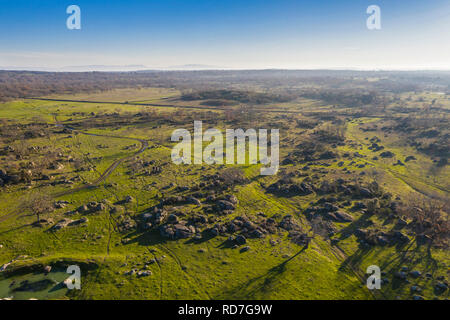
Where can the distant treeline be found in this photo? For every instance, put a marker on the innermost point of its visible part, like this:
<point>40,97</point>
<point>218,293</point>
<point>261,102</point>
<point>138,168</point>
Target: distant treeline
<point>348,98</point>
<point>282,84</point>
<point>249,97</point>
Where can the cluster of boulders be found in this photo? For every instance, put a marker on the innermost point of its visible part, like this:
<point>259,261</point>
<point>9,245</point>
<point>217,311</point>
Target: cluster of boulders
<point>56,166</point>
<point>155,170</point>
<point>226,205</point>
<point>220,182</point>
<point>6,149</point>
<point>387,154</point>
<point>296,233</point>
<point>289,189</point>
<point>62,181</point>
<point>327,155</point>
<point>259,229</point>
<point>181,200</point>
<point>171,227</point>
<point>68,223</point>
<point>14,178</point>
<point>60,204</point>
<point>91,207</point>
<point>338,216</point>
<point>177,230</point>
<point>143,269</point>
<point>375,147</point>
<point>247,228</point>
<point>440,286</point>
<point>126,223</point>
<point>138,273</point>
<point>157,215</point>
<point>373,237</point>
<point>328,211</point>
<point>127,199</point>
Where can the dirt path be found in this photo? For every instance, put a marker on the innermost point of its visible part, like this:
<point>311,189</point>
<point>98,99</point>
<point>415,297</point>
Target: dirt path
<point>161,278</point>
<point>342,256</point>
<point>112,167</point>
<point>178,261</point>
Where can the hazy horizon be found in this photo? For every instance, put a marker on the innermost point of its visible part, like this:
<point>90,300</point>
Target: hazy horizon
<point>117,68</point>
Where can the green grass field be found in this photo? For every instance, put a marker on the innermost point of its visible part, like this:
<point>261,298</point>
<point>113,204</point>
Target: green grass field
<point>273,268</point>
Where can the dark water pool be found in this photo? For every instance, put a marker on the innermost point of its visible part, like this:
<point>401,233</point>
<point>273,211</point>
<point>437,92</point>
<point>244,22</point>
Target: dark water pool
<point>35,286</point>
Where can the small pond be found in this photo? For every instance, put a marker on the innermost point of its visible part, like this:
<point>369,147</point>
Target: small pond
<point>37,285</point>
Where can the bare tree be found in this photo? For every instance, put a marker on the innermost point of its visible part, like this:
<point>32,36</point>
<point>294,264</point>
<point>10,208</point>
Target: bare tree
<point>430,218</point>
<point>38,204</point>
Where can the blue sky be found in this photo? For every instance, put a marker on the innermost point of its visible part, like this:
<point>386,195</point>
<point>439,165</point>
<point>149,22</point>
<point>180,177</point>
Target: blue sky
<point>234,34</point>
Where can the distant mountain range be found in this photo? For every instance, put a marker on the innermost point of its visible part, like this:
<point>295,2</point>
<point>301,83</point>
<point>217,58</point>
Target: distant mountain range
<point>190,67</point>
<point>117,68</point>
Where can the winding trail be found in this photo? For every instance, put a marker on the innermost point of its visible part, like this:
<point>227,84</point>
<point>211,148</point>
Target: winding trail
<point>178,261</point>
<point>112,167</point>
<point>161,278</point>
<point>359,274</point>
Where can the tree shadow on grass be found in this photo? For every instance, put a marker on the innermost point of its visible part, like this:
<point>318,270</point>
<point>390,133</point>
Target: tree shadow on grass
<point>262,283</point>
<point>57,287</point>
<point>360,223</point>
<point>355,259</point>
<point>149,238</point>
<point>16,228</point>
<point>227,244</point>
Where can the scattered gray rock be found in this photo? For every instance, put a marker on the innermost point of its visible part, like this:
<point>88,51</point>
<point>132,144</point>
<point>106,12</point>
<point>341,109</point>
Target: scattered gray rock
<point>416,289</point>
<point>441,286</point>
<point>173,219</point>
<point>177,231</point>
<point>366,193</point>
<point>240,240</point>
<point>61,224</point>
<point>338,216</point>
<point>415,273</point>
<point>143,273</point>
<point>193,200</point>
<point>400,275</point>
<point>401,223</point>
<point>245,249</point>
<point>214,232</point>
<point>224,205</point>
